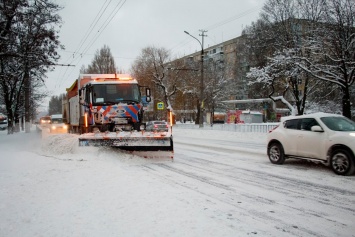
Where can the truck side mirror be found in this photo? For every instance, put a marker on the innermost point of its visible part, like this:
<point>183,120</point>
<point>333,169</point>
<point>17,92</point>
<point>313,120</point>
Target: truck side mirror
<point>148,94</point>
<point>81,99</point>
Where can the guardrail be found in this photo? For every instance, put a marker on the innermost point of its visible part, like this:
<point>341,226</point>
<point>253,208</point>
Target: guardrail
<point>250,127</point>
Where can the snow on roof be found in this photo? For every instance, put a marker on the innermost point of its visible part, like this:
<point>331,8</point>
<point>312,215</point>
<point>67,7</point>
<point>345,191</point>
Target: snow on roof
<point>313,115</point>
<point>250,112</point>
<point>56,116</point>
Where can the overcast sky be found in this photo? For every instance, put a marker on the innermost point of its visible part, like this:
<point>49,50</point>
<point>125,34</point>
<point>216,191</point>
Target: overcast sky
<point>128,26</point>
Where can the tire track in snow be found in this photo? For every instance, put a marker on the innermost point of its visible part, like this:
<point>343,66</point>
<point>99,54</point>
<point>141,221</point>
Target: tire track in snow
<point>288,187</point>
<point>228,198</point>
<point>321,192</point>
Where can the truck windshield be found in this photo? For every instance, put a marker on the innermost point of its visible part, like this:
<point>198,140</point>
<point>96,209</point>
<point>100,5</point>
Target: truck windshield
<point>115,93</point>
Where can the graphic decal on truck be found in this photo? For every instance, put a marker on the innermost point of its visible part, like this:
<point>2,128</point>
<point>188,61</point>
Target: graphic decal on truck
<point>111,111</point>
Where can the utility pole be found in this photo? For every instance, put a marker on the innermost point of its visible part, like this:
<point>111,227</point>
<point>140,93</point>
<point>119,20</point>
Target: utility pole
<point>202,81</point>
<point>201,97</point>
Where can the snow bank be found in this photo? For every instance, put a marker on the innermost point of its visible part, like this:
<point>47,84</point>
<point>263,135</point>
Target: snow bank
<point>60,145</point>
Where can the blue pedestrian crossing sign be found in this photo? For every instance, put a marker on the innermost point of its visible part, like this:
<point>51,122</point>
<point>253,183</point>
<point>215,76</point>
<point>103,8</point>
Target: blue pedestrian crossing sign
<point>160,105</point>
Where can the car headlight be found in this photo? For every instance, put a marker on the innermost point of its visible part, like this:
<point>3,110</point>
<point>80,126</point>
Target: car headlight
<point>352,134</point>
<point>65,127</point>
<point>53,127</point>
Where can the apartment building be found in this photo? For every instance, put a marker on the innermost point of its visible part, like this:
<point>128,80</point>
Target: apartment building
<point>229,61</point>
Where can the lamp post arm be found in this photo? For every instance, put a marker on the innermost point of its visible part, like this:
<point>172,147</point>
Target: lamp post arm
<point>194,38</point>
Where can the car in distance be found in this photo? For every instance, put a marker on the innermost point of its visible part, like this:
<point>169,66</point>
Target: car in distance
<point>45,121</point>
<point>3,122</point>
<point>319,137</point>
<point>57,125</point>
<point>157,126</point>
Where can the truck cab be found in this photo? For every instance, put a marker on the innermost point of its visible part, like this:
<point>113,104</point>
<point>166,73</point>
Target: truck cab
<point>105,102</point>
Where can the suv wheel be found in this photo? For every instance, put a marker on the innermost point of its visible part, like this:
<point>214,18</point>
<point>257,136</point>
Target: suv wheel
<point>342,162</point>
<point>276,154</point>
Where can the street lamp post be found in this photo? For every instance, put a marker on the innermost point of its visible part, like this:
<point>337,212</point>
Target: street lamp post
<point>201,79</point>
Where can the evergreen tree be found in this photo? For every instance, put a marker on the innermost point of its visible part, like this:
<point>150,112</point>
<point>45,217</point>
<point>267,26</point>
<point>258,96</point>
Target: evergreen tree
<point>103,62</point>
<point>55,104</point>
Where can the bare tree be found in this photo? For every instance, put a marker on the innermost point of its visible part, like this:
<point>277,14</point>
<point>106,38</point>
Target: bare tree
<point>151,69</point>
<point>217,86</point>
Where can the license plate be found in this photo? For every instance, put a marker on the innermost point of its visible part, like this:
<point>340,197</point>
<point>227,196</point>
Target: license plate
<point>120,120</point>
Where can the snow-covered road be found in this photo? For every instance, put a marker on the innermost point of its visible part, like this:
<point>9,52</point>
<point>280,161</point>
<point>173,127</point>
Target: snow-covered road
<point>220,184</point>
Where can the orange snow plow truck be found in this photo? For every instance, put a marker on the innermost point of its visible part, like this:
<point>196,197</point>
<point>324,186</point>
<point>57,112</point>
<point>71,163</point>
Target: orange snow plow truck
<point>107,110</point>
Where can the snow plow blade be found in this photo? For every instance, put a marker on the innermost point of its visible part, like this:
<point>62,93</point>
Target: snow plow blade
<point>147,145</point>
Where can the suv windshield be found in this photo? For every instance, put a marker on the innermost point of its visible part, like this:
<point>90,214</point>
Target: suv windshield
<point>57,120</point>
<point>339,123</point>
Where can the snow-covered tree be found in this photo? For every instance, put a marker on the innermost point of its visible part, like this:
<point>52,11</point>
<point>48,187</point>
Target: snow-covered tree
<point>273,40</point>
<point>311,42</point>
<point>332,49</point>
<point>28,46</point>
<point>273,78</point>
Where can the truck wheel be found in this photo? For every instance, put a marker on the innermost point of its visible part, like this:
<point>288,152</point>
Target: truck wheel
<point>342,162</point>
<point>276,154</point>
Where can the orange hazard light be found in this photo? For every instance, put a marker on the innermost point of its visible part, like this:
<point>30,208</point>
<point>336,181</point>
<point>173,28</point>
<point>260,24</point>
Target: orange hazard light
<point>125,78</point>
<point>86,119</point>
<point>171,118</point>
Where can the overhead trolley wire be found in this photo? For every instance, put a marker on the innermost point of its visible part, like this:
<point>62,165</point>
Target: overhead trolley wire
<point>105,24</point>
<point>102,27</point>
<point>93,24</point>
<point>233,18</point>
<point>211,27</point>
<point>84,38</point>
<point>98,33</point>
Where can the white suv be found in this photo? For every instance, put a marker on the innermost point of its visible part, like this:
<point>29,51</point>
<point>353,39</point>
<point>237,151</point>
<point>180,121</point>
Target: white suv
<point>319,137</point>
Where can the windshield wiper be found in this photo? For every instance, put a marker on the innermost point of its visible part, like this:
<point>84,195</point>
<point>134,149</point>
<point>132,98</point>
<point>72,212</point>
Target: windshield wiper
<point>110,102</point>
<point>129,101</point>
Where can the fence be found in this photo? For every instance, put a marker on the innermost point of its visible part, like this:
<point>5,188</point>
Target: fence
<point>251,127</point>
